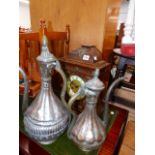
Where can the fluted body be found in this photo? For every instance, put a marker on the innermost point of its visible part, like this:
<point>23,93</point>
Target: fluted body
<point>88,132</point>
<point>47,117</point>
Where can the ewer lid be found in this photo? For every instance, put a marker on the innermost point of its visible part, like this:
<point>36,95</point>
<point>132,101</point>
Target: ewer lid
<point>45,55</point>
<point>95,83</point>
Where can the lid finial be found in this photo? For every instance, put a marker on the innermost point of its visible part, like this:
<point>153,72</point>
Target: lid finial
<point>45,55</point>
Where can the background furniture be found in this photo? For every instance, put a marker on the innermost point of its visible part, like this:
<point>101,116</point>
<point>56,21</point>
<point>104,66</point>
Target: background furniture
<point>29,49</point>
<point>124,61</point>
<point>124,94</point>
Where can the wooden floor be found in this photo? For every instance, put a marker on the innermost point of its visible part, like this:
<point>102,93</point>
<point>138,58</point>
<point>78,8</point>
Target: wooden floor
<point>128,145</point>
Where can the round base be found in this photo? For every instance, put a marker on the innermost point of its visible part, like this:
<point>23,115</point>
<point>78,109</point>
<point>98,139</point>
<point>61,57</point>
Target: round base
<point>44,132</point>
<point>46,142</point>
<point>87,149</point>
<point>83,147</point>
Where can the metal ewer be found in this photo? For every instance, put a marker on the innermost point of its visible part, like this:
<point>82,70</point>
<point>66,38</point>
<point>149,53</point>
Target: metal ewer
<point>88,130</point>
<point>47,117</point>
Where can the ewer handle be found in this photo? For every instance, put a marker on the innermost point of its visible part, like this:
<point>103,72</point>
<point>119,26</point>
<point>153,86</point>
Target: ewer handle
<point>80,92</point>
<point>63,91</point>
<point>107,97</point>
<point>25,97</point>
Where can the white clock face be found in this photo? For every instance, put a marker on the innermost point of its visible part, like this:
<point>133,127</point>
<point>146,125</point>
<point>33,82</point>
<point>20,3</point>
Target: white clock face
<point>73,85</point>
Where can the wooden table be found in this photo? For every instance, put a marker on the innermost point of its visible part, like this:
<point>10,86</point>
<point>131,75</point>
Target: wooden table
<point>110,146</point>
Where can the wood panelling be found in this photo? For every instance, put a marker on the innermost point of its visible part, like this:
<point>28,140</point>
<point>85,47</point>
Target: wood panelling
<point>110,28</point>
<point>85,17</point>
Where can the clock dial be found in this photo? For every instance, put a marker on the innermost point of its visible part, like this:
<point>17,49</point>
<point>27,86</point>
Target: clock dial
<point>73,85</point>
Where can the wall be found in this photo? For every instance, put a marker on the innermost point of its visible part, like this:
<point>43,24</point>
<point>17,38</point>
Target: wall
<point>85,17</point>
<point>24,15</point>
